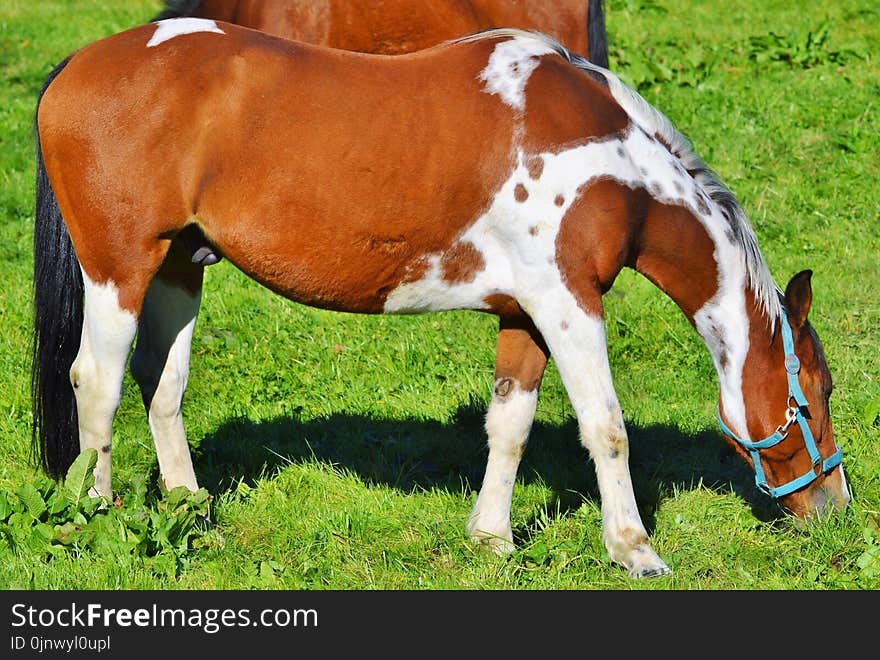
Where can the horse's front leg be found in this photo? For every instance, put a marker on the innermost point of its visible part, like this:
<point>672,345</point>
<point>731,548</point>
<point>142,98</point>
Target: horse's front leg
<point>521,357</point>
<point>577,343</point>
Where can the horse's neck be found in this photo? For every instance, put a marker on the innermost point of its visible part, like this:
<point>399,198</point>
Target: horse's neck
<point>703,271</point>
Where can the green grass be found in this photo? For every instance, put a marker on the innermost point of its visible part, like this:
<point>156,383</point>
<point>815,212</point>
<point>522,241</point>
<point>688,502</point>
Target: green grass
<point>344,451</point>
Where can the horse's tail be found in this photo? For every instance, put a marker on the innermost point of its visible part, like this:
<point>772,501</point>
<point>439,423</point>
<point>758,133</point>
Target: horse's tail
<point>177,9</point>
<point>596,32</point>
<point>58,319</point>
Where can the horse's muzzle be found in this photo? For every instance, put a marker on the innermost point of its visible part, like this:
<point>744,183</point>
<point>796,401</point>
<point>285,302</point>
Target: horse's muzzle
<point>829,496</point>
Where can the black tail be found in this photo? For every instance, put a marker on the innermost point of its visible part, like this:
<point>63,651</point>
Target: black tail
<point>596,33</point>
<point>177,9</point>
<point>58,319</point>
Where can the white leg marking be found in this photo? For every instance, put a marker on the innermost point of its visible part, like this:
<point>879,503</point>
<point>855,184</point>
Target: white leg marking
<point>175,27</point>
<point>508,423</point>
<point>161,367</point>
<point>579,349</point>
<point>97,372</point>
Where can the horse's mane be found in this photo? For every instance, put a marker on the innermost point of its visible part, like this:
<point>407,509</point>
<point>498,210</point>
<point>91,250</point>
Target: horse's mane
<point>654,122</point>
<point>177,9</point>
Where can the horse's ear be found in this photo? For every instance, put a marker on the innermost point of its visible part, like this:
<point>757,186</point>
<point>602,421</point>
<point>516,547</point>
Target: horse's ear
<point>799,297</point>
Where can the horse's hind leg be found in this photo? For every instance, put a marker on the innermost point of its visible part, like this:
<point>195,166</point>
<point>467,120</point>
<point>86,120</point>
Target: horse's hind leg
<point>521,357</point>
<point>577,343</point>
<point>160,363</point>
<point>97,372</point>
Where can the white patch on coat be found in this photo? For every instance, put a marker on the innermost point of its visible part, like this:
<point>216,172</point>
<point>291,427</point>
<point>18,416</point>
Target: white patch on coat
<point>175,27</point>
<point>517,239</point>
<point>724,326</point>
<point>509,68</point>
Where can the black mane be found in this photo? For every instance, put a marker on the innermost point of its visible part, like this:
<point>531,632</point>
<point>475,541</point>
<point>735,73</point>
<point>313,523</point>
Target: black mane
<point>177,9</point>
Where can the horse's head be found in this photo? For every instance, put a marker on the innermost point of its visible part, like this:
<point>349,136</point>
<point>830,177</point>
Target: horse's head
<point>786,388</point>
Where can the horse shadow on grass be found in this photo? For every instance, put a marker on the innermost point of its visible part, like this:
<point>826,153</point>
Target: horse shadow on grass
<point>412,455</point>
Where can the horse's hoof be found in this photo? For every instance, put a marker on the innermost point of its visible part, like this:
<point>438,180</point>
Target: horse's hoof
<point>642,562</point>
<point>649,572</point>
<point>500,544</point>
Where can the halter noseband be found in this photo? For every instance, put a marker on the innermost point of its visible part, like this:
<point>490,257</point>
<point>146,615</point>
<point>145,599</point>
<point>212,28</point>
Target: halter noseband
<point>794,413</point>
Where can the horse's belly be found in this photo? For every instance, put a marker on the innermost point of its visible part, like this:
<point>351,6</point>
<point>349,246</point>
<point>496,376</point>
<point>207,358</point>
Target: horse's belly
<point>375,276</point>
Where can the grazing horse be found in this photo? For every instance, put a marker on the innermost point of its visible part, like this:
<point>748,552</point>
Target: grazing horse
<point>394,27</point>
<point>497,172</point>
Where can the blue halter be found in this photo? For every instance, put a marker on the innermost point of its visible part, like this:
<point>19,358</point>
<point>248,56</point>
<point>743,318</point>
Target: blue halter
<point>793,414</point>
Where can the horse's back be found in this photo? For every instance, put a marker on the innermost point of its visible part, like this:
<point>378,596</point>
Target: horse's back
<point>400,26</point>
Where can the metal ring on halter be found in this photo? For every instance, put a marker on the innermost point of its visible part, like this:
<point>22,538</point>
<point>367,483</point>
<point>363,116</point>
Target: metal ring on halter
<point>791,414</point>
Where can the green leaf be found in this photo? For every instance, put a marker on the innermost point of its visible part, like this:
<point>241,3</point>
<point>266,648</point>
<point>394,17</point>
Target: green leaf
<point>111,537</point>
<point>199,499</point>
<point>869,562</point>
<point>21,520</point>
<point>32,499</point>
<point>267,573</point>
<point>40,539</point>
<point>57,503</point>
<point>136,494</point>
<point>45,485</point>
<point>176,496</point>
<point>7,535</point>
<point>538,553</point>
<point>5,507</point>
<point>870,412</point>
<point>68,533</point>
<point>80,477</point>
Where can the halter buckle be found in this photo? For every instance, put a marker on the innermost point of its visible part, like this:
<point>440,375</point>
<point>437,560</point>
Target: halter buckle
<point>791,414</point>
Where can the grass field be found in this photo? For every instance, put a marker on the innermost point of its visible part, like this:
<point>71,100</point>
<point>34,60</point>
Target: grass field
<point>345,451</point>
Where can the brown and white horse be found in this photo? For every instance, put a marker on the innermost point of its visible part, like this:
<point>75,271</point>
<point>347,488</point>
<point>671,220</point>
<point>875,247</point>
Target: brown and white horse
<point>497,172</point>
<point>393,27</point>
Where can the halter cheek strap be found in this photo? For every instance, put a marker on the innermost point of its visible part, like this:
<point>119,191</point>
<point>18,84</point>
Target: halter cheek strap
<point>793,414</point>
